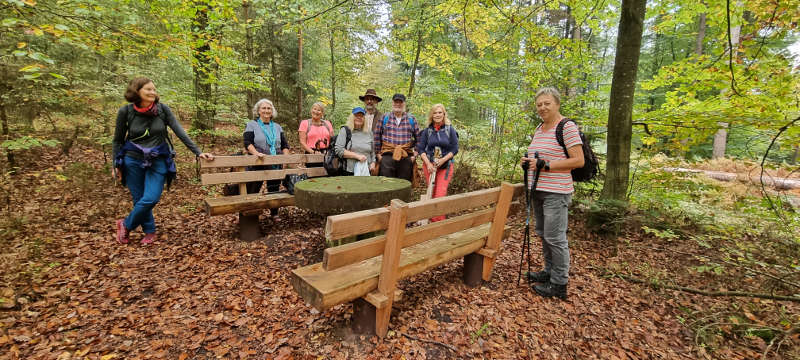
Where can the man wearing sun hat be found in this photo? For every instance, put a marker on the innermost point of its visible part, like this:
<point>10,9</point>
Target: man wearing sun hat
<point>371,100</point>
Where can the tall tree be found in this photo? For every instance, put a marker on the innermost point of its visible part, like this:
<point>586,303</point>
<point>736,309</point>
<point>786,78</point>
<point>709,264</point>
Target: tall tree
<point>623,86</point>
<point>202,66</point>
<point>721,136</point>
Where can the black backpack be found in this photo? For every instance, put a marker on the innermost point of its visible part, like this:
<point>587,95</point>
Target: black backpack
<point>590,163</point>
<point>333,164</point>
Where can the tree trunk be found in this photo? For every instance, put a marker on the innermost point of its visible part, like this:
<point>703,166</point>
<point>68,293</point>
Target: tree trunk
<point>701,34</point>
<point>572,90</point>
<point>6,136</point>
<point>333,75</point>
<point>202,68</point>
<point>252,97</point>
<point>273,78</point>
<point>623,86</point>
<point>416,62</point>
<point>721,136</point>
<point>300,73</point>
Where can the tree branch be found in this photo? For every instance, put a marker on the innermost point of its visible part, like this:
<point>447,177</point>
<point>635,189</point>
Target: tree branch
<point>451,347</point>
<point>730,45</point>
<point>701,292</point>
<point>764,160</point>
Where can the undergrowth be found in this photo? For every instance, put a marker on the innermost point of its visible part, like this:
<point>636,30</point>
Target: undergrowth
<point>720,236</point>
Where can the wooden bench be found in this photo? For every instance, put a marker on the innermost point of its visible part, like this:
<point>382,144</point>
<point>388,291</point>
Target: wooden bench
<point>247,205</point>
<point>357,271</point>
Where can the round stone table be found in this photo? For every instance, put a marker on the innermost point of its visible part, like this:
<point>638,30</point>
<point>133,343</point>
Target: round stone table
<point>343,194</point>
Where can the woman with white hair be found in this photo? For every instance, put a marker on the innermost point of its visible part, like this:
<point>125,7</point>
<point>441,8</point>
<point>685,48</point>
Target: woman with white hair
<point>358,151</point>
<point>263,137</point>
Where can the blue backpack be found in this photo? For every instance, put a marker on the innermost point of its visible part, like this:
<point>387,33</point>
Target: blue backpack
<point>410,121</point>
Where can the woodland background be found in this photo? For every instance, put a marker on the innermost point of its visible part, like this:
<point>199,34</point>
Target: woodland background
<point>713,85</point>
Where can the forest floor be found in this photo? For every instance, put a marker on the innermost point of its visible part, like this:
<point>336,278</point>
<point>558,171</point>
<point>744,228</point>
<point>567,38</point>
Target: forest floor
<point>70,291</point>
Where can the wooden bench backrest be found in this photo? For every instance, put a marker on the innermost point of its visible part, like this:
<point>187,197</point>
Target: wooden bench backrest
<point>340,226</point>
<point>240,162</point>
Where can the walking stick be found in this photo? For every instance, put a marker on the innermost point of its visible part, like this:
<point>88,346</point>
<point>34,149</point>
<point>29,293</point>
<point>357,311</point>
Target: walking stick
<point>526,246</point>
<point>437,154</point>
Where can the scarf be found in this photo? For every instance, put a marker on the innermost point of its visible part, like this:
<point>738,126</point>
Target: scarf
<point>270,135</point>
<point>151,110</point>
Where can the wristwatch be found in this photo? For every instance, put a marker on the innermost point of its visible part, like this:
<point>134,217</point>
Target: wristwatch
<point>547,165</point>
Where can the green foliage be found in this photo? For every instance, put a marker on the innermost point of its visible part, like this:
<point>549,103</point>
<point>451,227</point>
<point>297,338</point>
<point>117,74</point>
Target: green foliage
<point>606,216</point>
<point>28,143</point>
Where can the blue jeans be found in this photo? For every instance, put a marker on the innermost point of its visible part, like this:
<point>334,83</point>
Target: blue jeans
<point>550,211</point>
<point>145,186</point>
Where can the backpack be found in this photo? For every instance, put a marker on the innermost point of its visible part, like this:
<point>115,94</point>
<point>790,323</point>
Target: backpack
<point>590,163</point>
<point>332,163</point>
<point>130,112</point>
<point>410,122</point>
<point>327,125</point>
<point>446,128</point>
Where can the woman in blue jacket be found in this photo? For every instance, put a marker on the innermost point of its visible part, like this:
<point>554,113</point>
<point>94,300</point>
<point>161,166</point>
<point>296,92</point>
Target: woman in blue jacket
<point>437,144</point>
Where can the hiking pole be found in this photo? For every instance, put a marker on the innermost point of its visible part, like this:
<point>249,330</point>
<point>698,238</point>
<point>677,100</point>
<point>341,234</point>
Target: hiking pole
<point>526,247</point>
<point>527,234</point>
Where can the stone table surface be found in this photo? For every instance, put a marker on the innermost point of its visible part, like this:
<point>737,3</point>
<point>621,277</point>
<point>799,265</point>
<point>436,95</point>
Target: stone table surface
<point>343,194</point>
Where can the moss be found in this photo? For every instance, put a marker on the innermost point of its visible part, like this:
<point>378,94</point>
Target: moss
<point>338,195</point>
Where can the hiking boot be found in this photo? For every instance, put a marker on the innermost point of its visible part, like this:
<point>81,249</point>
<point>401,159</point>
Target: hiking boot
<point>122,232</point>
<point>539,277</point>
<point>149,238</point>
<point>549,289</point>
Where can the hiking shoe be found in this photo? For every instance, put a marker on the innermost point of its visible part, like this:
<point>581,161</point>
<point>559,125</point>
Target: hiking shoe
<point>539,277</point>
<point>149,238</point>
<point>122,232</point>
<point>549,289</point>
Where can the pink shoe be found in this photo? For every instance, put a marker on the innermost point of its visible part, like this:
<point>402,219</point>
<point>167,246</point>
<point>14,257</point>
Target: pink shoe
<point>122,232</point>
<point>149,238</point>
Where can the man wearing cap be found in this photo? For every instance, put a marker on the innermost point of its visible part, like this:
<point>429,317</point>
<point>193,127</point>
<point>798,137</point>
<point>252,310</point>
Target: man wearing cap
<point>395,139</point>
<point>373,115</point>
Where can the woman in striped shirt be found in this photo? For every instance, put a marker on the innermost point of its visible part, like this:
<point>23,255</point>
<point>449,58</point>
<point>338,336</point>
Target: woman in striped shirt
<point>553,193</point>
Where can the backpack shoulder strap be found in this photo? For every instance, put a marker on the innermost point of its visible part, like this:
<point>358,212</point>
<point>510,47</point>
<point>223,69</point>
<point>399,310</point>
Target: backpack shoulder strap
<point>329,126</point>
<point>129,113</point>
<point>163,116</point>
<point>560,134</point>
<point>412,123</point>
<point>348,136</point>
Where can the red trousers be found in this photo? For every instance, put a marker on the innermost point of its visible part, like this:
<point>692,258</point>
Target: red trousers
<point>443,176</point>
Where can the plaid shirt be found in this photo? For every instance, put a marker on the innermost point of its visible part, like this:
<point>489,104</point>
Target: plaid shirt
<point>394,133</point>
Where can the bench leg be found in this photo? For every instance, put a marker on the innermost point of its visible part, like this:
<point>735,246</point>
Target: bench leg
<point>473,269</point>
<point>363,317</point>
<point>249,229</point>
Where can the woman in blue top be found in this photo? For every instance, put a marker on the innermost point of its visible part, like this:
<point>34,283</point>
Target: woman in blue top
<point>143,155</point>
<point>437,144</point>
<point>263,137</point>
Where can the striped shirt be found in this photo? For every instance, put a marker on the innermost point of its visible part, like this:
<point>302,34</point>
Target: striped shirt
<point>559,182</point>
<point>394,133</point>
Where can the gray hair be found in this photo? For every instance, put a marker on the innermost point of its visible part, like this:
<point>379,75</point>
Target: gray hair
<point>549,91</point>
<point>261,102</point>
<point>320,104</point>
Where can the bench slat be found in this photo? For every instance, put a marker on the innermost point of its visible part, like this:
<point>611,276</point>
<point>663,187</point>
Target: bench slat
<point>252,160</point>
<point>257,175</point>
<point>325,289</point>
<point>343,255</point>
<point>359,222</point>
<point>237,203</point>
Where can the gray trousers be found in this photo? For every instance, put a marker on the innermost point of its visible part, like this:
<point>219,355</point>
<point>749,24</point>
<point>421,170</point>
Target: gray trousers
<point>550,211</point>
